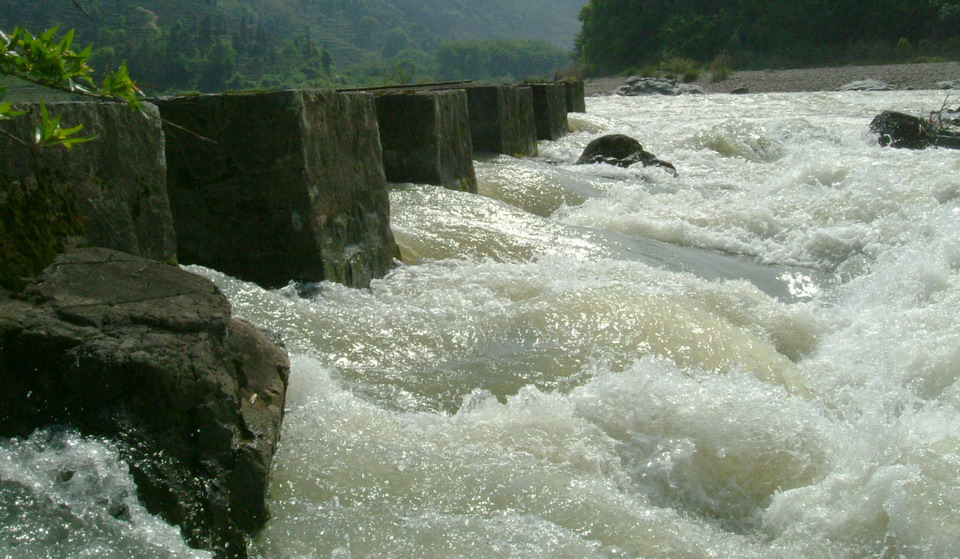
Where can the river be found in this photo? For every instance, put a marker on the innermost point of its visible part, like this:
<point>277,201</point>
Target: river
<point>756,359</point>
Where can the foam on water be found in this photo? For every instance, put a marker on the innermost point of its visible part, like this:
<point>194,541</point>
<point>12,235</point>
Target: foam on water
<point>62,495</point>
<point>759,358</point>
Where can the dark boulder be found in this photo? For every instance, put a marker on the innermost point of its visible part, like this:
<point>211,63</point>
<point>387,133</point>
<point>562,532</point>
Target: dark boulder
<point>622,151</point>
<point>147,355</point>
<point>901,130</point>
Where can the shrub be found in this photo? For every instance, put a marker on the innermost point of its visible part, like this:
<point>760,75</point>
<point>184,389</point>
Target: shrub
<point>721,68</point>
<point>681,67</point>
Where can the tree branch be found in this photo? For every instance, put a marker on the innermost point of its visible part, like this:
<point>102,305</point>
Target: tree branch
<point>82,11</point>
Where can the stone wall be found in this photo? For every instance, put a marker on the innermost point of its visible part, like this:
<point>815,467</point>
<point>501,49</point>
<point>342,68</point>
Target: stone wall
<point>110,192</point>
<point>280,186</point>
<point>425,137</point>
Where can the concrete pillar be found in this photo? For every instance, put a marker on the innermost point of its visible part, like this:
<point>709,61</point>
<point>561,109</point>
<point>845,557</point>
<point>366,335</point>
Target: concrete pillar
<point>111,192</point>
<point>280,186</point>
<point>576,102</point>
<point>426,138</point>
<point>502,119</point>
<point>550,110</point>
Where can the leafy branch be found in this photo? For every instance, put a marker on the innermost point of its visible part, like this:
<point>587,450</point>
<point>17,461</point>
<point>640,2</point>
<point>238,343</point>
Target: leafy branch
<point>51,62</point>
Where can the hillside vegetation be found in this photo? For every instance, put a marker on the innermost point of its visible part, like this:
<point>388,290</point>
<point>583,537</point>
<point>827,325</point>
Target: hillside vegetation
<point>620,34</point>
<point>211,45</point>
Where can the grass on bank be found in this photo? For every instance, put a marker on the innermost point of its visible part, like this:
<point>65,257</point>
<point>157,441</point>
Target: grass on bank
<point>724,65</point>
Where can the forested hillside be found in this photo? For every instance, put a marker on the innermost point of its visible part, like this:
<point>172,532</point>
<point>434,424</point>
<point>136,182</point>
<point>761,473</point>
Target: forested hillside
<point>211,45</point>
<point>619,34</point>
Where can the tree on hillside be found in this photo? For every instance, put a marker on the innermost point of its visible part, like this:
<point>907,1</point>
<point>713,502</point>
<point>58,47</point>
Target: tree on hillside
<point>508,59</point>
<point>618,34</point>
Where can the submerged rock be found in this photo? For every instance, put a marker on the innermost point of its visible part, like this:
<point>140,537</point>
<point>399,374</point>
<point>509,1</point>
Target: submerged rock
<point>901,130</point>
<point>657,86</point>
<point>622,151</point>
<point>866,85</point>
<point>955,84</point>
<point>148,356</point>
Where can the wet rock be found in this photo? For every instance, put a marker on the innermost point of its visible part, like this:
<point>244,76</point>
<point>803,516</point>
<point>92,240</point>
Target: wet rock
<point>148,356</point>
<point>867,85</point>
<point>955,84</point>
<point>657,86</point>
<point>740,90</point>
<point>622,151</point>
<point>901,130</point>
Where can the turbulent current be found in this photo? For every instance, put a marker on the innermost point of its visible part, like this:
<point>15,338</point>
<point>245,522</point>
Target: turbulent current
<point>759,358</point>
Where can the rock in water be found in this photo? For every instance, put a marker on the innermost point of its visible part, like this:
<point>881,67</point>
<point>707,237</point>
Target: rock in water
<point>657,86</point>
<point>901,130</point>
<point>622,151</point>
<point>866,85</point>
<point>147,355</point>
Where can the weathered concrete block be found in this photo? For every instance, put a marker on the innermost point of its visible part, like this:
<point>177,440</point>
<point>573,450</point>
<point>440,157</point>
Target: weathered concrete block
<point>526,117</point>
<point>550,110</point>
<point>425,137</point>
<point>112,190</point>
<point>576,97</point>
<point>280,186</point>
<point>502,119</point>
<point>148,356</point>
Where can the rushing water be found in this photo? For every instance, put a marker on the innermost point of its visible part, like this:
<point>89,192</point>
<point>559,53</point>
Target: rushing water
<point>756,359</point>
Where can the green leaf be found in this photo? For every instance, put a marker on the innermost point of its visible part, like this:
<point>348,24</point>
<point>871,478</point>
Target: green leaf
<point>51,62</point>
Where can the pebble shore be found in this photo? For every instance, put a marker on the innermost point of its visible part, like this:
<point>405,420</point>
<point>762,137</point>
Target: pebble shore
<point>900,76</point>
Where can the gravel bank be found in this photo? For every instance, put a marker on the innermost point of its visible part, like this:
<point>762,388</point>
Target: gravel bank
<point>901,76</point>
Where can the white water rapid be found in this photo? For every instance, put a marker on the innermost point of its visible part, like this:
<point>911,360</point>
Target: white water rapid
<point>756,359</point>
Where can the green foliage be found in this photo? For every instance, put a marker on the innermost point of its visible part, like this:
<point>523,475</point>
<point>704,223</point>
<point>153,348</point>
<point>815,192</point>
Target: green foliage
<point>618,34</point>
<point>721,68</point>
<point>51,62</point>
<point>684,68</point>
<point>185,45</point>
<point>50,133</point>
<point>6,109</point>
<point>504,59</point>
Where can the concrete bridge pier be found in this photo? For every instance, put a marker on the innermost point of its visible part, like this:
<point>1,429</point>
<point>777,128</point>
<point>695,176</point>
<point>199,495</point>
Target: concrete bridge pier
<point>426,137</point>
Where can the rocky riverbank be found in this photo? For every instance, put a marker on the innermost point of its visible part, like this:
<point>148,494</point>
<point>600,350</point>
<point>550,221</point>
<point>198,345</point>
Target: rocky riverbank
<point>900,76</point>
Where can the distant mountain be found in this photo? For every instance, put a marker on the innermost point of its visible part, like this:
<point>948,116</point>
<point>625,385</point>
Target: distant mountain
<point>213,45</point>
<point>352,29</point>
